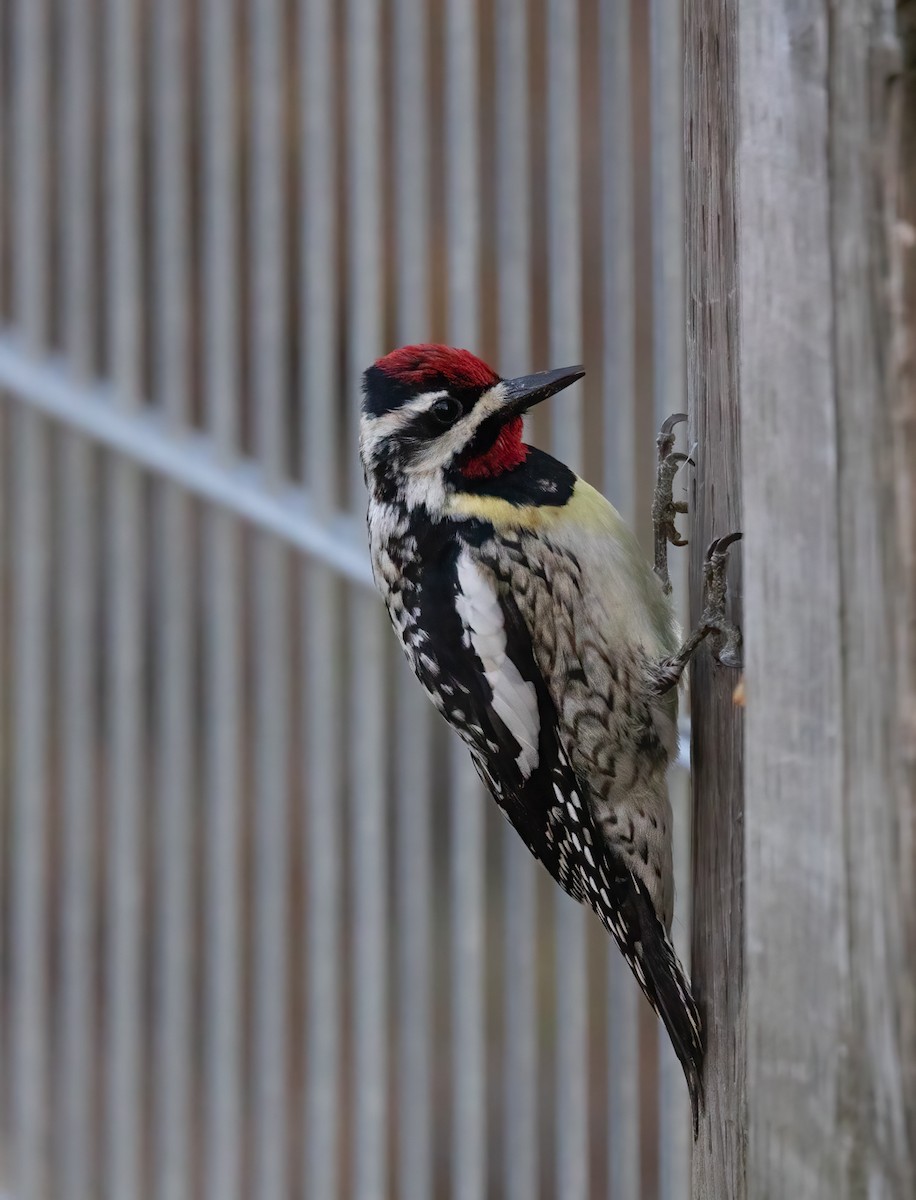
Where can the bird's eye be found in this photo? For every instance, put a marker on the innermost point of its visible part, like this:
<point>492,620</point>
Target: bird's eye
<point>446,410</point>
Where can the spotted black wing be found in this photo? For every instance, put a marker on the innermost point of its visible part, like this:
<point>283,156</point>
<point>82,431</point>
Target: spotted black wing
<point>472,650</point>
<point>472,653</point>
<point>525,767</point>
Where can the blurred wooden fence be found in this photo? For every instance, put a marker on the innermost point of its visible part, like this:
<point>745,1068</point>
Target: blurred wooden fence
<point>260,935</point>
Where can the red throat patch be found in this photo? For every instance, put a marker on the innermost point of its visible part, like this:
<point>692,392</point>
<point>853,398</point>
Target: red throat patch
<point>506,453</point>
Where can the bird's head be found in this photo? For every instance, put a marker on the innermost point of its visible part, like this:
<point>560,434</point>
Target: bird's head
<point>435,417</point>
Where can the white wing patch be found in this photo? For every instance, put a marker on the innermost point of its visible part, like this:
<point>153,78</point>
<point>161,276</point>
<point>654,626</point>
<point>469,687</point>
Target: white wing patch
<point>514,698</point>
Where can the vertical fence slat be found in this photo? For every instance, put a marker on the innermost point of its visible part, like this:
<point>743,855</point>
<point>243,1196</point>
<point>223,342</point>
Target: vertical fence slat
<point>7,761</point>
<point>565,255</point>
<point>174,642</point>
<point>7,110</point>
<point>122,196</point>
<point>171,113</point>
<point>125,775</point>
<point>617,258</point>
<point>367,684</point>
<point>77,625</point>
<point>222,651</point>
<point>78,156</point>
<point>716,297</point>
<point>319,264</point>
<point>271,849</point>
<point>462,155</point>
<point>666,75</point>
<point>411,144</point>
<point>325,754</point>
<point>30,598</point>
<point>30,982</point>
<point>513,182</point>
<point>268,351</point>
<point>669,383</point>
<point>620,483</point>
<point>414,763</point>
<point>175,650</point>
<point>623,999</point>
<point>414,921</point>
<point>520,1146</point>
<point>364,227</point>
<point>30,178</point>
<point>124,634</point>
<point>462,164</point>
<point>324,748</point>
<point>564,220</point>
<point>220,224</point>
<point>223,901</point>
<point>29,624</point>
<point>467,936</point>
<point>267,241</point>
<point>370,942</point>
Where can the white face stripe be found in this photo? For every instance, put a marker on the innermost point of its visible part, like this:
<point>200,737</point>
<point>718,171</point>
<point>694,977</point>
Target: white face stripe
<point>391,422</point>
<point>441,451</point>
<point>375,430</point>
<point>514,698</point>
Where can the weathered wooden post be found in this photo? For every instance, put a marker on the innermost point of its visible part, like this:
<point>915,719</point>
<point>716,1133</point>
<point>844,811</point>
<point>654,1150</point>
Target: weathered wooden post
<point>712,390</point>
<point>801,155</point>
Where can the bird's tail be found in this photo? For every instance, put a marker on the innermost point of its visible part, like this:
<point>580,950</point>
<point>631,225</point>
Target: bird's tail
<point>655,963</point>
<point>669,993</point>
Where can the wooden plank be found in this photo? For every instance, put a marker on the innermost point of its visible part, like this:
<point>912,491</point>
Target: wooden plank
<point>902,213</point>
<point>802,317</point>
<point>717,750</point>
<point>826,970</point>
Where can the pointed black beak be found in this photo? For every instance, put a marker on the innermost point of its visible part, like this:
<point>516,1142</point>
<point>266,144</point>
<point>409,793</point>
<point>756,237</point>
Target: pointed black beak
<point>527,390</point>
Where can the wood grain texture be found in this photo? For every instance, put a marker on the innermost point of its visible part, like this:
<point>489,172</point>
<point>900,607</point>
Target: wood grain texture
<point>902,230</point>
<point>827,968</point>
<point>717,751</point>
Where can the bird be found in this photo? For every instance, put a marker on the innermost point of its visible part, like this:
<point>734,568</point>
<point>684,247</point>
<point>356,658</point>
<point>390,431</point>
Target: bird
<point>534,622</point>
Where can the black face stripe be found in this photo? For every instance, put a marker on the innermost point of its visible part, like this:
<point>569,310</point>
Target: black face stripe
<point>382,393</point>
<point>486,434</point>
<point>540,479</point>
<point>425,427</point>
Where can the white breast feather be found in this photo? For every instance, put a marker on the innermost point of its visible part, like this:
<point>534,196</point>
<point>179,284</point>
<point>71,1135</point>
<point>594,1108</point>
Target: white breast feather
<point>514,698</point>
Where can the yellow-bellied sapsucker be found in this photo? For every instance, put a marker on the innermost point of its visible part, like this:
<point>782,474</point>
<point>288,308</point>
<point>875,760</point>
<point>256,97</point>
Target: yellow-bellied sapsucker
<point>542,635</point>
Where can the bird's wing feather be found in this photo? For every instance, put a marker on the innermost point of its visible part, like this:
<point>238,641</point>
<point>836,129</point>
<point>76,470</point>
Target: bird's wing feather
<point>478,666</point>
<point>555,799</point>
<point>476,659</point>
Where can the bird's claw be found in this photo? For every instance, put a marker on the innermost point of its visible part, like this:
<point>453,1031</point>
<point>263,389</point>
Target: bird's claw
<point>667,429</point>
<point>725,637</point>
<point>664,507</point>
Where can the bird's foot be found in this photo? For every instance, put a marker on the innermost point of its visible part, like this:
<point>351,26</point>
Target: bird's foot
<point>664,507</point>
<point>725,637</point>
